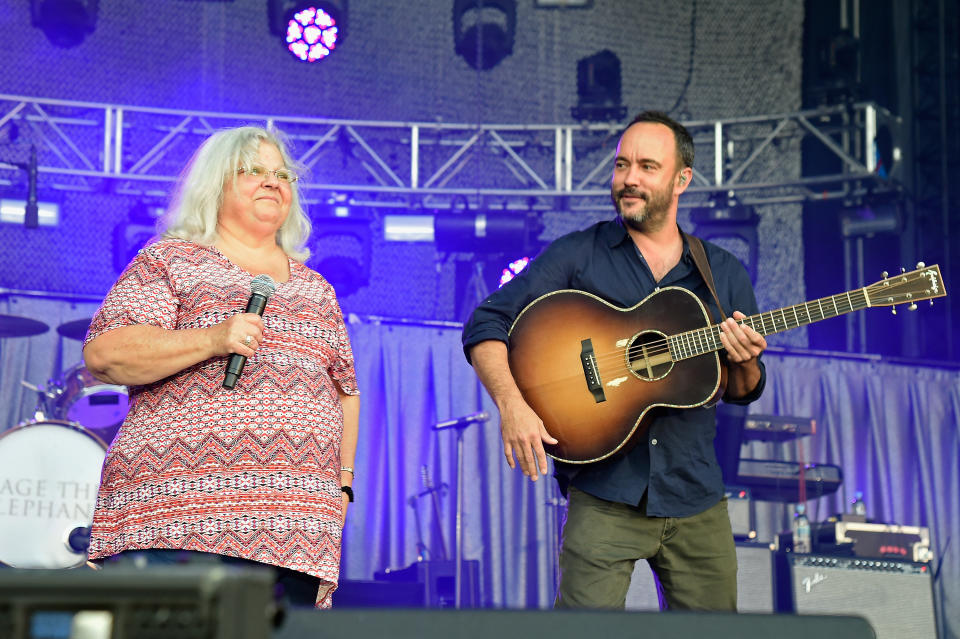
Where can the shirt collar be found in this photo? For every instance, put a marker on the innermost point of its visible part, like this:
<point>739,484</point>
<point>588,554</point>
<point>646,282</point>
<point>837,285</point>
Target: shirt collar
<point>616,234</point>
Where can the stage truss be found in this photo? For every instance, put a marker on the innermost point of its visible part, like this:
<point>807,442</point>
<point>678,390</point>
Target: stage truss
<point>416,166</point>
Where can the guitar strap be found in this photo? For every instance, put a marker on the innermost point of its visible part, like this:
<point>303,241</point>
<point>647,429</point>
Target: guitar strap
<point>703,265</point>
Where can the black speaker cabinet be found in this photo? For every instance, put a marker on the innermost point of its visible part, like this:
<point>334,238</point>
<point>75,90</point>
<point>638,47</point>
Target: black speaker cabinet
<point>896,597</point>
<point>755,585</point>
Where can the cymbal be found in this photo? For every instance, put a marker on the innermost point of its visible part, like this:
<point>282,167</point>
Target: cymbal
<point>13,326</point>
<point>75,329</point>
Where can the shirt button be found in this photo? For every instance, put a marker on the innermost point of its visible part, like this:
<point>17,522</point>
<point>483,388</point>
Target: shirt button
<point>653,441</point>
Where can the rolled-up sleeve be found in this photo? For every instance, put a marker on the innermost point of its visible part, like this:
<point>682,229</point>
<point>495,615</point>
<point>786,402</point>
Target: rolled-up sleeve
<point>494,317</point>
<point>142,295</point>
<point>342,369</point>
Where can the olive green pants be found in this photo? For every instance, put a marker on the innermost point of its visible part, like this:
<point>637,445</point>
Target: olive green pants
<point>694,558</point>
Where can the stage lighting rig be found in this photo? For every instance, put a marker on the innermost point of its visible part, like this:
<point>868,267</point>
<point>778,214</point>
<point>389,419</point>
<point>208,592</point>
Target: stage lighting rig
<point>484,31</point>
<point>310,31</point>
<point>65,22</point>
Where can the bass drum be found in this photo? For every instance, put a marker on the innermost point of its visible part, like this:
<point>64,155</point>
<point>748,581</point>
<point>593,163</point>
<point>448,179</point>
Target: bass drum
<point>91,403</point>
<point>49,476</point>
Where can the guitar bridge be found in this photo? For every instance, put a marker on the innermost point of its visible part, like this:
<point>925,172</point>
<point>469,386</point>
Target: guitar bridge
<point>588,360</point>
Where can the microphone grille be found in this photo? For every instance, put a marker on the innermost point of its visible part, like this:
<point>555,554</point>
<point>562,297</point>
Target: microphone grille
<point>264,285</point>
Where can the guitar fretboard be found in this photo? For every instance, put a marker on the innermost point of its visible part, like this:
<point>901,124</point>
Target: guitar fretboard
<point>707,339</point>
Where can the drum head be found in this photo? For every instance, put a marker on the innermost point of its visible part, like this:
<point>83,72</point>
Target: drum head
<point>91,403</point>
<point>49,476</point>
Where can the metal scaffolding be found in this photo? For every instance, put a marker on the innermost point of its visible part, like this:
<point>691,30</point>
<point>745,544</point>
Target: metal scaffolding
<point>87,146</point>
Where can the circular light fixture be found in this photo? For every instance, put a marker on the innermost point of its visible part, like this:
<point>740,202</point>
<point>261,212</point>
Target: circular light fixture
<point>312,34</point>
<point>513,269</point>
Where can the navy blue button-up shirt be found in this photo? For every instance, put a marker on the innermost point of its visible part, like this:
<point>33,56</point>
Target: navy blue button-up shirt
<point>678,466</point>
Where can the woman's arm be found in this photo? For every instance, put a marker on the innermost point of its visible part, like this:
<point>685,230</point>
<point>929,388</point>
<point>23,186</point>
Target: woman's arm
<point>348,443</point>
<point>141,354</point>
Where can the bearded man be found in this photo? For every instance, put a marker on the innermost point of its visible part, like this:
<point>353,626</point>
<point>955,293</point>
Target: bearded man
<point>662,499</point>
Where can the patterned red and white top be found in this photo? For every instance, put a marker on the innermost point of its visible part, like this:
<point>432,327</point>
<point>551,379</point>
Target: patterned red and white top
<point>252,472</point>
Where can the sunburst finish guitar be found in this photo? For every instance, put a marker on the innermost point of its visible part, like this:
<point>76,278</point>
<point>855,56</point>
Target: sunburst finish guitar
<point>593,372</point>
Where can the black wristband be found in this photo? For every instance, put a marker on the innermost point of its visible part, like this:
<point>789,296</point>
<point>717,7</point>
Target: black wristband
<point>349,491</point>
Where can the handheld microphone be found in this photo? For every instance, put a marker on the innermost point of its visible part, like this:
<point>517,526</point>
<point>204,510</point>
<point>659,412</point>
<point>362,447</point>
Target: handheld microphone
<point>261,288</point>
<point>460,422</point>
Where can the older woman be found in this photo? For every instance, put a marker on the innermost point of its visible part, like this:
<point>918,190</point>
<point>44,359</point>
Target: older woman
<point>260,472</point>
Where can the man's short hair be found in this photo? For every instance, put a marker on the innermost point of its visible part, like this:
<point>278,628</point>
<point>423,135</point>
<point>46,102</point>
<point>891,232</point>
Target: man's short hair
<point>680,133</point>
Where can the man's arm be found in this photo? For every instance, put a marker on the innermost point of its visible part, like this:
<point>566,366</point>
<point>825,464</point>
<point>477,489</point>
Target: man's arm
<point>522,431</point>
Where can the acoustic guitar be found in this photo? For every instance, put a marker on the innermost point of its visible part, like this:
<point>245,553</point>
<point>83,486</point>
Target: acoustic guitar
<point>594,372</point>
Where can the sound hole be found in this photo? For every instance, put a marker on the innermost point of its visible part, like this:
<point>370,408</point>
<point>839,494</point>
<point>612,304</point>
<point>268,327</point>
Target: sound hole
<point>648,356</point>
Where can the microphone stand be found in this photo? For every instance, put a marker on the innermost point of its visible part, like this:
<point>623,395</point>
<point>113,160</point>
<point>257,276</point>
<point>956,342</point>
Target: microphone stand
<point>459,425</point>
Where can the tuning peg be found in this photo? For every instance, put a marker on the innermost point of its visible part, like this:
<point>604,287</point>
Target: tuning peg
<point>920,264</point>
<point>893,309</point>
<point>912,307</point>
<point>884,275</point>
<point>903,270</point>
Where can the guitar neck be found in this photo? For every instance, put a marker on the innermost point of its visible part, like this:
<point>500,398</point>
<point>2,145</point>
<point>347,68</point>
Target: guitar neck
<point>707,340</point>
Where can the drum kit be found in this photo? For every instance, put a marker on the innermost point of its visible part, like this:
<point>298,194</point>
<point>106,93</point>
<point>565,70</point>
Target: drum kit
<point>50,465</point>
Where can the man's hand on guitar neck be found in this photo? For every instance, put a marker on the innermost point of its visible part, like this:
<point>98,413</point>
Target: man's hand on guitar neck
<point>743,345</point>
<point>522,431</point>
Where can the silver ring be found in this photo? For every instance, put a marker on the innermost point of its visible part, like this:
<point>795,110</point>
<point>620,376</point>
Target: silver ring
<point>247,340</point>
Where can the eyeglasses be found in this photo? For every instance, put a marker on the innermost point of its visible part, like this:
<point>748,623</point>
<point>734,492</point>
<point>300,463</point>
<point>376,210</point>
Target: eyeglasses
<point>257,171</point>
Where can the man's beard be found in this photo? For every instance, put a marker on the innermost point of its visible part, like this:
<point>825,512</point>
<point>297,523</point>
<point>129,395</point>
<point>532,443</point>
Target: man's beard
<point>651,215</point>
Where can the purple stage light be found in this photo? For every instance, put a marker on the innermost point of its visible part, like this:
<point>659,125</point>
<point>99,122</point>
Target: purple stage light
<point>513,269</point>
<point>312,34</point>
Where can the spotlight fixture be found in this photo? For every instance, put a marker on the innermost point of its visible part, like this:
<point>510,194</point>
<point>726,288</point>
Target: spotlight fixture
<point>310,31</point>
<point>874,215</point>
<point>513,269</point>
<point>490,232</point>
<point>480,232</point>
<point>732,224</point>
<point>132,234</point>
<point>598,88</point>
<point>484,31</point>
<point>65,22</point>
<point>833,76</point>
<point>342,247</point>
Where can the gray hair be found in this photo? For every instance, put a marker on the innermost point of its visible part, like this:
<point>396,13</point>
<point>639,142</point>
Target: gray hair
<point>192,214</point>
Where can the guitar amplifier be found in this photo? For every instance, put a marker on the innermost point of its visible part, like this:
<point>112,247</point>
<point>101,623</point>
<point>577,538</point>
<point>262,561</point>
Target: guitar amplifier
<point>896,597</point>
<point>755,586</point>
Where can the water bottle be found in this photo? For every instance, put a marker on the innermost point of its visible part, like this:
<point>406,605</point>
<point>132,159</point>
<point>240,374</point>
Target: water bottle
<point>801,530</point>
<point>857,506</point>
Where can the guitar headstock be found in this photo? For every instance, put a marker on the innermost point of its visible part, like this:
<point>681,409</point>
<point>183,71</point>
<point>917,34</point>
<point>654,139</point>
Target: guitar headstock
<point>924,283</point>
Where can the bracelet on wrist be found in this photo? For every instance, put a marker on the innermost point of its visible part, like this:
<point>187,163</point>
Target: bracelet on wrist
<point>347,469</point>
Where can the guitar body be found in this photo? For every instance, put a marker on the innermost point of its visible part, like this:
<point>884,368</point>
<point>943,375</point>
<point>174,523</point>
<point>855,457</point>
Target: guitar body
<point>596,373</point>
<point>546,355</point>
